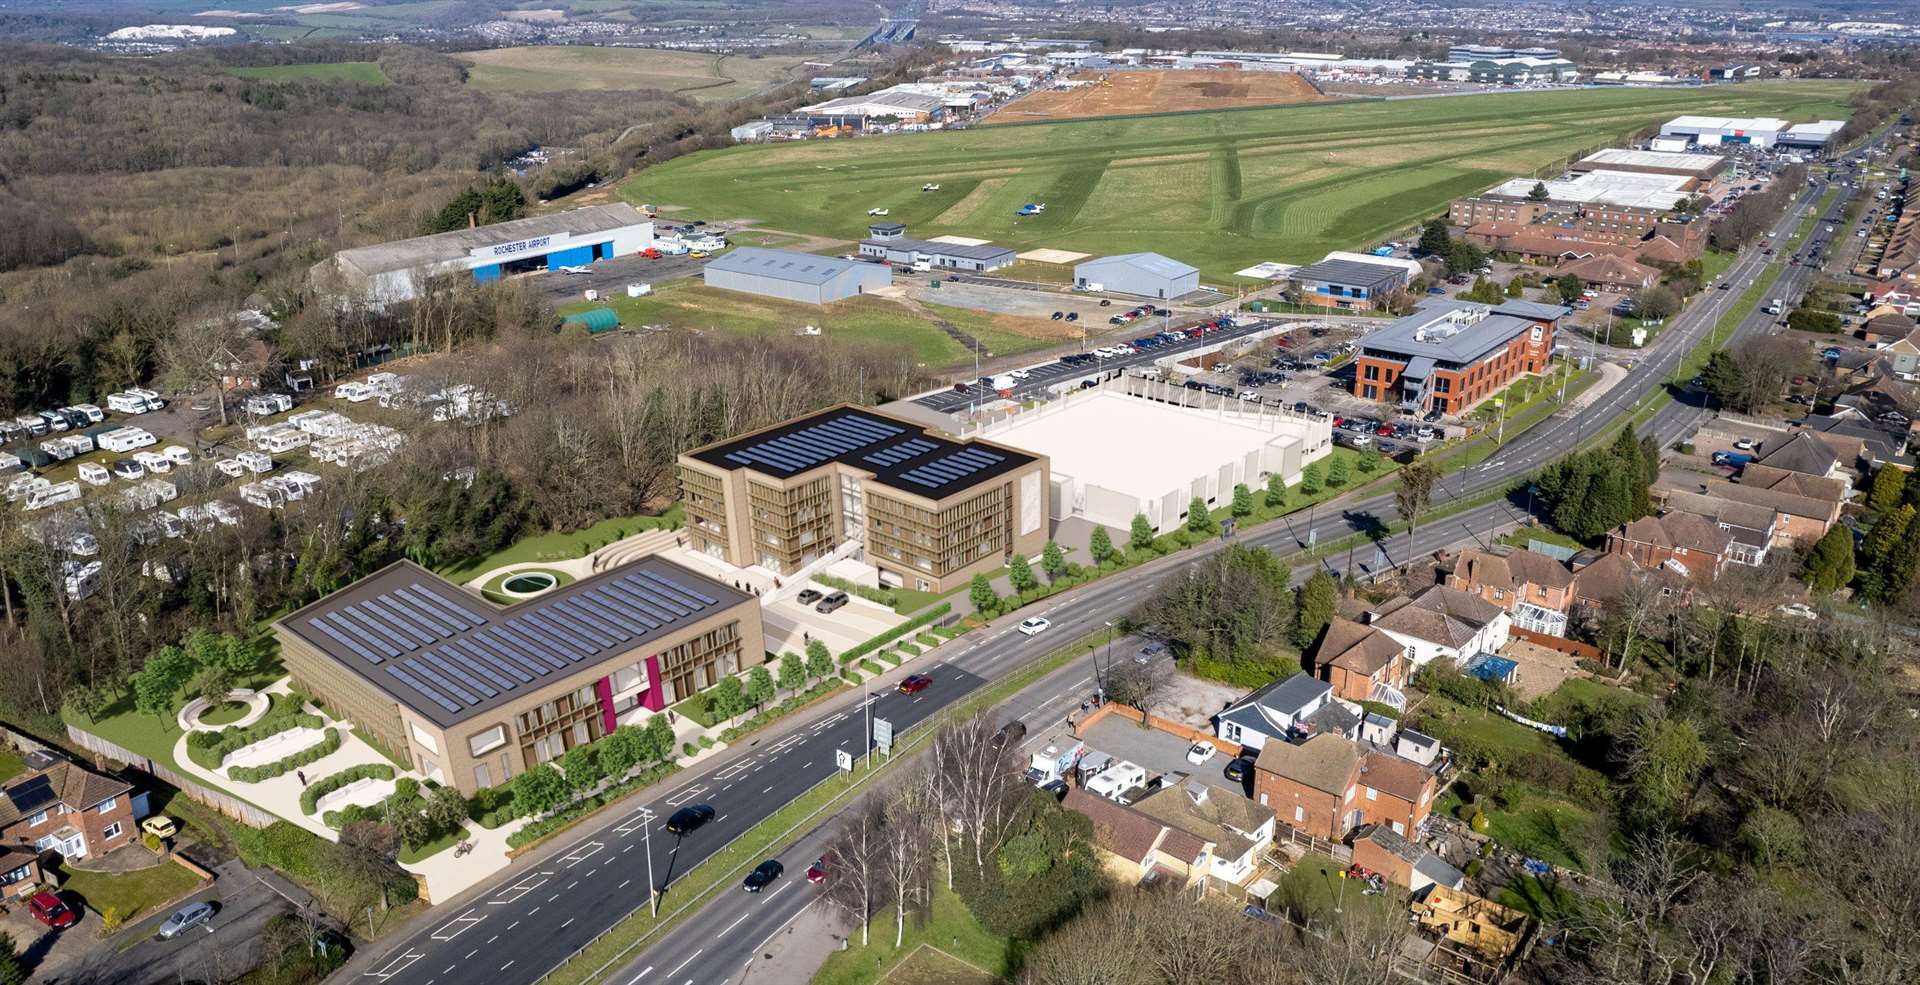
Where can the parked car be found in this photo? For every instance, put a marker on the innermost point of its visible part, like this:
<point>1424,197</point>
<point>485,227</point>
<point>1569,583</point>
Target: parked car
<point>1200,752</point>
<point>808,596</point>
<point>1034,626</point>
<point>50,909</point>
<point>915,683</point>
<point>1058,788</point>
<point>763,875</point>
<point>817,872</point>
<point>831,603</point>
<point>1237,769</point>
<point>186,918</point>
<point>689,818</point>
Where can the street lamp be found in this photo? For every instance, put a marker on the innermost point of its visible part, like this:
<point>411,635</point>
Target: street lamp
<point>1099,674</point>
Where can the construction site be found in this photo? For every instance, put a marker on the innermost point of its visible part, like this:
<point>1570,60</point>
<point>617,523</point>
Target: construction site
<point>1097,94</point>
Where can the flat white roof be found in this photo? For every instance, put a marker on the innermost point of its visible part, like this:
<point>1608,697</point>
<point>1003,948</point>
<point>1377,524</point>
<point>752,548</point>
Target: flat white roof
<point>1759,124</point>
<point>1136,446</point>
<point>1603,187</point>
<point>1622,157</point>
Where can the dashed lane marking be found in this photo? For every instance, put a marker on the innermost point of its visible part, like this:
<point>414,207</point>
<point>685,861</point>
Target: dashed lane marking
<point>395,965</point>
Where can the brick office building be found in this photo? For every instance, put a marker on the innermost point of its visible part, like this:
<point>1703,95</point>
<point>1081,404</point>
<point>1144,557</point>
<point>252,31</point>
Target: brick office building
<point>1449,355</point>
<point>472,695</point>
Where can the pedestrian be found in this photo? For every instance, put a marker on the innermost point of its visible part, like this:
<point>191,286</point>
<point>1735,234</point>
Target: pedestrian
<point>1083,706</point>
<point>302,774</point>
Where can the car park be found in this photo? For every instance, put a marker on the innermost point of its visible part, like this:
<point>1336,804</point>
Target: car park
<point>762,875</point>
<point>688,819</point>
<point>915,683</point>
<point>1034,626</point>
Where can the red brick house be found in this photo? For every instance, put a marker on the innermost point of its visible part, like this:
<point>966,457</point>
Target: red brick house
<point>1534,588</point>
<point>59,806</point>
<point>1328,785</point>
<point>1686,544</point>
<point>1362,663</point>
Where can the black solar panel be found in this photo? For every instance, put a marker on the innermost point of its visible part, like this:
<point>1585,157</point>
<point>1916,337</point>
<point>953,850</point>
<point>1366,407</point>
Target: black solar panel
<point>652,596</point>
<point>430,694</point>
<point>319,623</point>
<point>565,616</point>
<point>392,616</point>
<point>358,630</point>
<point>952,468</point>
<point>433,620</point>
<point>621,626</point>
<point>503,663</point>
<point>534,627</point>
<point>895,454</point>
<point>805,448</point>
<point>635,605</point>
<point>431,676</point>
<point>374,621</point>
<point>681,591</point>
<point>468,614</point>
<point>513,648</point>
<point>460,674</point>
<point>529,646</point>
<point>30,795</point>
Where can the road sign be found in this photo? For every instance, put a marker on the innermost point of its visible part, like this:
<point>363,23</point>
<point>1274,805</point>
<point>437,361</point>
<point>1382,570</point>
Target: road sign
<point>883,735</point>
<point>844,759</point>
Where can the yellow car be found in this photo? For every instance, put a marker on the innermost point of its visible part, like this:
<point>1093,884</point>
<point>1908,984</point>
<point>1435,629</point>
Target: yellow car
<point>698,254</point>
<point>160,826</point>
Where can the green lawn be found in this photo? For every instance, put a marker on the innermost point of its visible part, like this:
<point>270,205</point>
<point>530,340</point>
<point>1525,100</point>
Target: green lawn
<point>1520,538</point>
<point>368,72</point>
<point>1451,722</point>
<point>563,546</point>
<point>11,765</point>
<point>869,322</point>
<point>998,340</point>
<point>130,895</point>
<point>409,855</point>
<point>950,927</point>
<point>1220,190</point>
<point>225,713</point>
<point>1713,263</point>
<point>1543,825</point>
<point>1317,884</point>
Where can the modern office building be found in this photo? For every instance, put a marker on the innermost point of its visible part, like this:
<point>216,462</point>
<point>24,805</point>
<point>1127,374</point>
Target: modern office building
<point>389,272</point>
<point>927,511</point>
<point>473,695</point>
<point>794,276</point>
<point>1503,68</point>
<point>1477,52</point>
<point>1449,355</point>
<point>888,241</point>
<point>1146,275</point>
<point>1818,136</point>
<point>1354,284</point>
<point>1715,131</point>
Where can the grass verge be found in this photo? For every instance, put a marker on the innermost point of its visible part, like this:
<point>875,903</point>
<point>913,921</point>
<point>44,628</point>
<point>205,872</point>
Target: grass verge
<point>563,546</point>
<point>950,944</point>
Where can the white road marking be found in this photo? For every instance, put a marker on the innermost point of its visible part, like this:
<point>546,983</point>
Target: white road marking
<point>457,926</point>
<point>722,935</point>
<point>471,953</point>
<point>504,967</point>
<point>636,822</point>
<point>398,964</point>
<point>523,887</point>
<point>623,884</point>
<point>581,853</point>
<point>565,925</point>
<point>648,970</point>
<point>685,963</point>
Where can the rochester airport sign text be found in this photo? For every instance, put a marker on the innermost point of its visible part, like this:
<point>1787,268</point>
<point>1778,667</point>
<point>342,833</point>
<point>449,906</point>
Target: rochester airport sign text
<point>523,246</point>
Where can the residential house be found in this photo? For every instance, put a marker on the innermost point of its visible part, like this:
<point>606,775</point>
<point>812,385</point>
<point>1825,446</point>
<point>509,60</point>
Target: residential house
<point>61,806</point>
<point>1236,830</point>
<point>1534,589</point>
<point>1878,446</point>
<point>1277,711</point>
<point>1887,324</point>
<point>1603,580</point>
<point>1687,544</point>
<point>1328,785</point>
<point>1616,272</point>
<point>1362,663</point>
<point>1443,622</point>
<point>19,871</point>
<point>241,366</point>
<point>1806,454</point>
<point>1402,862</point>
<point>1805,507</point>
<point>1903,356</point>
<point>1752,528</point>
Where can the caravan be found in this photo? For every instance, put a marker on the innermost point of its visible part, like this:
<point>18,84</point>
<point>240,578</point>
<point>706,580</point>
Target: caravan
<point>134,401</point>
<point>94,474</point>
<point>154,462</point>
<point>263,495</point>
<point>281,439</point>
<point>53,495</point>
<point>82,580</point>
<point>266,404</point>
<point>255,462</point>
<point>125,439</point>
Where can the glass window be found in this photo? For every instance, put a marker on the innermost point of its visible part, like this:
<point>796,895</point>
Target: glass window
<point>628,678</point>
<point>483,742</point>
<point>482,776</point>
<point>111,831</point>
<point>37,820</point>
<point>109,804</point>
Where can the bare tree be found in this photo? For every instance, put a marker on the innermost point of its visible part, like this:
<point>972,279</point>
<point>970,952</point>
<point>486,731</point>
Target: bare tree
<point>905,865</point>
<point>859,864</point>
<point>982,780</point>
<point>1139,685</point>
<point>1417,479</point>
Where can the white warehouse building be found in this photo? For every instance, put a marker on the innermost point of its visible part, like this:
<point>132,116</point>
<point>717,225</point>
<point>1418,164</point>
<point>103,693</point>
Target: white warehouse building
<point>1147,275</point>
<point>1714,131</point>
<point>388,272</point>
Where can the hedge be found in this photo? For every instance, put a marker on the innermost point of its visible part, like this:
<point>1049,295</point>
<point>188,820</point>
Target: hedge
<point>535,830</point>
<point>889,657</point>
<point>859,650</point>
<point>884,596</point>
<point>310,797</point>
<point>209,749</point>
<point>328,744</point>
<point>927,640</point>
<point>404,789</point>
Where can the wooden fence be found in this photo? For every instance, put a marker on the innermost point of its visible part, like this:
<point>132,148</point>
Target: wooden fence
<point>219,800</point>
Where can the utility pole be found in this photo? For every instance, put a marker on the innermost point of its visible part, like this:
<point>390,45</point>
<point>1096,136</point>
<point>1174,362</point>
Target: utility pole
<point>867,700</point>
<point>653,887</point>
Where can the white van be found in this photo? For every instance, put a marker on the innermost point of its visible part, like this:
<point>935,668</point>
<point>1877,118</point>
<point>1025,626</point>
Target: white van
<point>1119,778</point>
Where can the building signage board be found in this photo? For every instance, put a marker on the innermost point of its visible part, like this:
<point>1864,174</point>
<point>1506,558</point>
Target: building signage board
<point>843,759</point>
<point>521,246</point>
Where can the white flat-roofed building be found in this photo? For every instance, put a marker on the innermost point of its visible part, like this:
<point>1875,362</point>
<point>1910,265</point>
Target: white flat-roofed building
<point>1714,131</point>
<point>1702,167</point>
<point>1174,444</point>
<point>1812,136</point>
<point>1626,189</point>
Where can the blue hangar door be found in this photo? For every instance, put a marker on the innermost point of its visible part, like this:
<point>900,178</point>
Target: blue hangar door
<point>579,256</point>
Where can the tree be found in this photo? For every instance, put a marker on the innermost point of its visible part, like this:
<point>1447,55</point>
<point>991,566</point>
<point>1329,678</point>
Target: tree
<point>1752,374</point>
<point>445,810</point>
<point>1484,291</point>
<point>1242,500</point>
<point>1138,685</point>
<point>981,782</point>
<point>981,594</point>
<point>1224,607</point>
<point>1417,480</point>
<point>1315,608</point>
<point>365,856</point>
<point>213,683</point>
<point>1020,575</point>
<point>1665,757</point>
<point>1464,257</point>
<point>12,972</point>
<point>1053,560</point>
<point>1337,473</point>
<point>1655,303</point>
<point>820,659</point>
<point>1829,566</point>
<point>539,790</point>
<point>1140,535</point>
<point>793,672</point>
<point>660,737</point>
<point>1570,286</point>
<point>1368,463</point>
<point>1099,544</point>
<point>858,881</point>
<point>1310,479</point>
<point>759,687</point>
<point>1538,193</point>
<point>1889,487</point>
<point>623,749</point>
<point>166,672</point>
<point>581,765</point>
<point>906,867</point>
<point>496,201</point>
<point>1276,490</point>
<point>727,698</point>
<point>1516,288</point>
<point>1434,239</point>
<point>1199,518</point>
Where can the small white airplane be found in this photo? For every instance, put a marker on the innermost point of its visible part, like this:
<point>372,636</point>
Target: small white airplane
<point>929,187</point>
<point>877,211</point>
<point>574,270</point>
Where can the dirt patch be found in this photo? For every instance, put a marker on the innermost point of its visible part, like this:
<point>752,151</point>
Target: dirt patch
<point>1163,91</point>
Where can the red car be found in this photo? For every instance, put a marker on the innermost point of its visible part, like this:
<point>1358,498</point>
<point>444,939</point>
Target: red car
<point>1384,430</point>
<point>817,872</point>
<point>915,683</point>
<point>50,909</point>
<point>1283,342</point>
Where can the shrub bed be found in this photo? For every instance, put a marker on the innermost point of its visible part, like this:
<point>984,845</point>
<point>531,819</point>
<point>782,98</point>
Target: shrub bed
<point>209,749</point>
<point>884,596</point>
<point>784,708</point>
<point>536,830</point>
<point>909,649</point>
<point>859,650</point>
<point>889,657</point>
<point>490,807</point>
<point>404,789</point>
<point>310,797</point>
<point>927,640</point>
<point>329,743</point>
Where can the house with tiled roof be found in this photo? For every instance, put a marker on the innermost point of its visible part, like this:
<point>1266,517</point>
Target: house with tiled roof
<point>1805,506</point>
<point>1752,529</point>
<point>1401,862</point>
<point>1275,711</point>
<point>1687,544</point>
<point>1327,786</point>
<point>1444,622</point>
<point>1602,581</point>
<point>1606,270</point>
<point>1805,454</point>
<point>1534,589</point>
<point>1186,832</point>
<point>1903,356</point>
<point>61,806</point>
<point>1887,326</point>
<point>1362,663</point>
<point>1878,446</point>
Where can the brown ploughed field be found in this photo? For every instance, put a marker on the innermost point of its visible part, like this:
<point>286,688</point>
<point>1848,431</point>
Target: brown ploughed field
<point>1159,91</point>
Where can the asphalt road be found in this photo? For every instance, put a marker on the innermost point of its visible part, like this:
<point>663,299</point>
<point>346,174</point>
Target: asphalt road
<point>225,947</point>
<point>611,277</point>
<point>548,905</point>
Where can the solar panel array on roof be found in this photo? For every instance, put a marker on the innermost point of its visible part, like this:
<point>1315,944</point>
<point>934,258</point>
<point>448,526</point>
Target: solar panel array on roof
<point>797,451</point>
<point>951,468</point>
<point>32,794</point>
<point>895,454</point>
<point>458,659</point>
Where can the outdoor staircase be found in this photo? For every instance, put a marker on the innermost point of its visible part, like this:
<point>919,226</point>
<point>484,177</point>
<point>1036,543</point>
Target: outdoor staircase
<point>634,548</point>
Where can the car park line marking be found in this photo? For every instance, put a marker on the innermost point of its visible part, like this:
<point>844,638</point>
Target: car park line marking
<point>399,963</point>
<point>767,791</point>
<point>770,897</point>
<point>450,968</point>
<point>556,896</point>
<point>637,821</point>
<point>457,926</point>
<point>722,935</point>
<point>717,820</point>
<point>686,795</point>
<point>685,963</point>
<point>519,889</point>
<point>533,911</point>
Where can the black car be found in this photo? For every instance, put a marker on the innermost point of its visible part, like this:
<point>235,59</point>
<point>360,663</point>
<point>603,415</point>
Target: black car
<point>1106,302</point>
<point>685,820</point>
<point>763,875</point>
<point>808,596</point>
<point>1073,316</point>
<point>1059,315</point>
<point>1013,731</point>
<point>1237,769</point>
<point>1056,787</point>
<point>831,602</point>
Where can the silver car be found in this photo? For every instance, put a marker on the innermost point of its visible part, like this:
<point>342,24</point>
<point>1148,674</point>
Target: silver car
<point>187,917</point>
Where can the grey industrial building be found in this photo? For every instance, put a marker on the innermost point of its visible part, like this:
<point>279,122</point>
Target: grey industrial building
<point>888,241</point>
<point>794,276</point>
<point>1348,283</point>
<point>1147,275</point>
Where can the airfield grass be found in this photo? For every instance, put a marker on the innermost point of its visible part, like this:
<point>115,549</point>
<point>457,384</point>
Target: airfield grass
<point>368,72</point>
<point>560,68</point>
<point>1220,190</point>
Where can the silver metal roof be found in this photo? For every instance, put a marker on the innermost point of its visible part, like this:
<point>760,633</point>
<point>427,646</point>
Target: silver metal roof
<point>985,251</point>
<point>1459,332</point>
<point>1152,263</point>
<point>428,251</point>
<point>787,265</point>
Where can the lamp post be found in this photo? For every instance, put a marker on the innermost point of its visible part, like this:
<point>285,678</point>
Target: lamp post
<point>653,887</point>
<point>1099,673</point>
